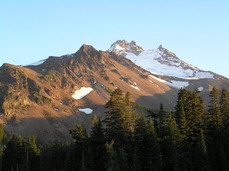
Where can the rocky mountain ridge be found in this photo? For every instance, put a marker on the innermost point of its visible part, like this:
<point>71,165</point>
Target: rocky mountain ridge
<point>38,99</point>
<point>42,99</point>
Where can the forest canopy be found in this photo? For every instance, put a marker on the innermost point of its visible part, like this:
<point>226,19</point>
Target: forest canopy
<point>195,136</point>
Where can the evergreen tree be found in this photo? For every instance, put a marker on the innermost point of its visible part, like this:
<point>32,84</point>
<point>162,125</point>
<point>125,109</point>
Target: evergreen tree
<point>130,115</point>
<point>199,154</point>
<point>195,120</point>
<point>120,120</point>
<point>115,119</point>
<point>113,162</point>
<point>182,108</point>
<point>224,106</point>
<point>97,148</point>
<point>195,134</point>
<point>170,142</point>
<point>120,117</point>
<point>147,147</point>
<point>160,116</point>
<point>54,156</point>
<point>154,154</point>
<point>215,115</point>
<point>140,134</point>
<point>33,154</point>
<point>80,137</point>
<point>215,138</point>
<point>14,157</point>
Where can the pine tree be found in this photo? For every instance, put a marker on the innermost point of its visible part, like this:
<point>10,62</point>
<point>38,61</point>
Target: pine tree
<point>195,135</point>
<point>171,140</point>
<point>130,115</point>
<point>14,157</point>
<point>80,137</point>
<point>140,133</point>
<point>224,106</point>
<point>33,154</point>
<point>115,119</point>
<point>54,156</point>
<point>215,138</point>
<point>112,157</point>
<point>199,154</point>
<point>147,147</point>
<point>181,108</point>
<point>215,114</point>
<point>120,117</point>
<point>160,116</point>
<point>154,154</point>
<point>97,147</point>
<point>120,120</point>
<point>195,120</point>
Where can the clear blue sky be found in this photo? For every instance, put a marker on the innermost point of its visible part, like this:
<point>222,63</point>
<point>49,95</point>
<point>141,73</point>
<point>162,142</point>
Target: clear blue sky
<point>197,31</point>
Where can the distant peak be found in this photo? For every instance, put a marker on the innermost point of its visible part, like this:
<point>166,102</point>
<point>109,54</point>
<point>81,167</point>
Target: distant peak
<point>124,46</point>
<point>85,47</point>
<point>166,52</point>
<point>160,47</point>
<point>133,42</point>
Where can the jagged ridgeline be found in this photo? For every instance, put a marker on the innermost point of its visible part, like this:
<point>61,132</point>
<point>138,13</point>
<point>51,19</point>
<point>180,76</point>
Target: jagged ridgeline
<point>47,98</point>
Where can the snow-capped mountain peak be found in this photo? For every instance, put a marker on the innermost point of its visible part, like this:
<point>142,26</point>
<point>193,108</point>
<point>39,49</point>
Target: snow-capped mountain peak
<point>159,61</point>
<point>124,46</point>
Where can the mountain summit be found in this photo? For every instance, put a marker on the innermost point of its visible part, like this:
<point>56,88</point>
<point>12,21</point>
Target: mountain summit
<point>124,46</point>
<point>159,61</point>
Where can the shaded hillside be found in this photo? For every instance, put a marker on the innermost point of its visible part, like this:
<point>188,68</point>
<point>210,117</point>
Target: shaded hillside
<point>37,99</point>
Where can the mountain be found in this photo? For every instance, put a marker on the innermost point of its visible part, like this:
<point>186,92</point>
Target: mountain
<point>49,97</point>
<point>159,61</point>
<point>164,65</point>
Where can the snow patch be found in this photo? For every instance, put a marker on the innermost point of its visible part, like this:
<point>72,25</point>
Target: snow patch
<point>200,88</point>
<point>192,78</point>
<point>154,83</point>
<point>82,92</point>
<point>86,110</point>
<point>177,84</point>
<point>56,109</point>
<point>135,87</point>
<point>118,48</point>
<point>204,75</point>
<point>158,79</point>
<point>173,83</point>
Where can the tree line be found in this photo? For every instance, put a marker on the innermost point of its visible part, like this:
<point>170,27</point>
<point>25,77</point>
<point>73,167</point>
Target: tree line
<point>192,137</point>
